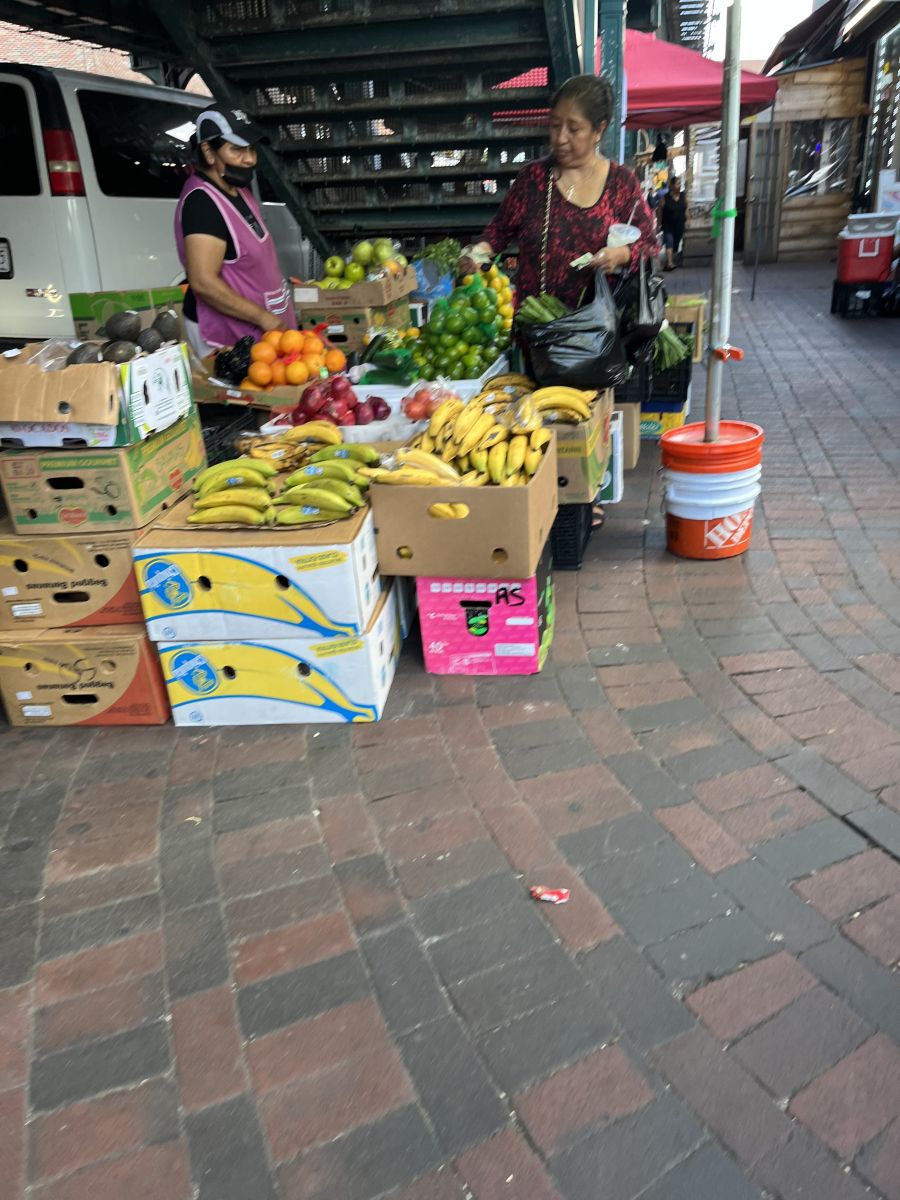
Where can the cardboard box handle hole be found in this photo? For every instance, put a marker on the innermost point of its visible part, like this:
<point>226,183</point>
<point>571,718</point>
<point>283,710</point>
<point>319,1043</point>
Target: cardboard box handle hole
<point>101,560</point>
<point>499,555</point>
<point>65,483</point>
<point>80,698</point>
<point>71,597</point>
<point>20,565</point>
<point>203,582</point>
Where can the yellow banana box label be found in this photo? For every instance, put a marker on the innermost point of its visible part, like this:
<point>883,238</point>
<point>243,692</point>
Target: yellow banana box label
<point>290,681</point>
<point>57,491</point>
<point>216,586</point>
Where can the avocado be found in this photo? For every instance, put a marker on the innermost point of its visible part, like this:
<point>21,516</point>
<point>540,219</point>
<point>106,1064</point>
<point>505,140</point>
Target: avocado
<point>167,326</point>
<point>123,326</point>
<point>87,352</point>
<point>119,352</point>
<point>149,340</point>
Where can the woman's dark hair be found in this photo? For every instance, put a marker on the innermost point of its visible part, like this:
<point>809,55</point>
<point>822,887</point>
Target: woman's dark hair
<point>592,94</point>
<point>197,156</point>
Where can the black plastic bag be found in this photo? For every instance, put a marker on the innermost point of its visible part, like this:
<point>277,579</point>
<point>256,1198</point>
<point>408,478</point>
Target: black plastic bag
<point>641,298</point>
<point>581,350</point>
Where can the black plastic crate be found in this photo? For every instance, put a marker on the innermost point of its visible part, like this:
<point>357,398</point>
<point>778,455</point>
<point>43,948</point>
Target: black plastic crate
<point>570,535</point>
<point>639,387</point>
<point>672,384</point>
<point>221,424</point>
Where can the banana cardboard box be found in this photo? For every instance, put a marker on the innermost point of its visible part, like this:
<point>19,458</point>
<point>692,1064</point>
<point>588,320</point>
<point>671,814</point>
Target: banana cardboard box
<point>107,676</point>
<point>583,453</point>
<point>78,579</point>
<point>216,585</point>
<point>93,405</point>
<point>487,626</point>
<point>501,536</point>
<point>294,680</point>
<point>96,491</point>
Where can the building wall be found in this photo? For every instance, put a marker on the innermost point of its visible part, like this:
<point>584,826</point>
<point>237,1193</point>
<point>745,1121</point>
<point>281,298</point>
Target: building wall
<point>44,50</point>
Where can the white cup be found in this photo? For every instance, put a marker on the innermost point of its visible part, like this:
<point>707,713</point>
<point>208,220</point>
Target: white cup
<point>622,235</point>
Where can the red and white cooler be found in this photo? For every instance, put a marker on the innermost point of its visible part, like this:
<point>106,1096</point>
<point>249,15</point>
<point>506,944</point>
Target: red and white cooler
<point>866,248</point>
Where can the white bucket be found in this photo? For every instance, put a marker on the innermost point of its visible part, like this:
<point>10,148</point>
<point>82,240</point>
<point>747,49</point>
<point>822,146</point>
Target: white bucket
<point>707,497</point>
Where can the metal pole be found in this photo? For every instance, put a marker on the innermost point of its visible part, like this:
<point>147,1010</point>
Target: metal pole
<point>612,66</point>
<point>727,198</point>
<point>589,48</point>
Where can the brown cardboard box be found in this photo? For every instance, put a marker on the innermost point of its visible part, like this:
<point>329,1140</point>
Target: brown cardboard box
<point>347,328</point>
<point>687,314</point>
<point>50,491</point>
<point>95,404</point>
<point>91,309</point>
<point>360,295</point>
<point>74,580</point>
<point>583,453</point>
<point>501,538</point>
<point>631,433</point>
<point>107,676</point>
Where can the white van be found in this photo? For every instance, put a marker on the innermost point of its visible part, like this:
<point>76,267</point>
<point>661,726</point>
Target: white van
<point>92,170</point>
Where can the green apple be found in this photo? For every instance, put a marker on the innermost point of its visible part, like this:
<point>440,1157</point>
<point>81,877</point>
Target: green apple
<point>334,266</point>
<point>384,250</point>
<point>362,253</point>
<point>401,260</point>
<point>355,272</point>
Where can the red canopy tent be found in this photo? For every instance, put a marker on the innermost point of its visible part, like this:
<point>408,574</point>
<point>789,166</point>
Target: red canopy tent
<point>667,86</point>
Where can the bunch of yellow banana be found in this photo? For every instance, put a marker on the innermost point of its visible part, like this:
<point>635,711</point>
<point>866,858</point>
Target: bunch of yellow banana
<point>512,384</point>
<point>566,404</point>
<point>476,443</point>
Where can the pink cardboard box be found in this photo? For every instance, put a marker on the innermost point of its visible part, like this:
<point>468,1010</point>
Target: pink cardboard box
<point>487,626</point>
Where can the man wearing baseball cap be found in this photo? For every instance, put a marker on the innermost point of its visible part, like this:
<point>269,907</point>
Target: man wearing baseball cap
<point>235,285</point>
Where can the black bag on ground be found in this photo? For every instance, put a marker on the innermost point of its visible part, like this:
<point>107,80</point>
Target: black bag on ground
<point>581,350</point>
<point>641,298</point>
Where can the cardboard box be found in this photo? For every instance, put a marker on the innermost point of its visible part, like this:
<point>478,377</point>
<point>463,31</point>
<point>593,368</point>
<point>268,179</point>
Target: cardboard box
<point>502,537</point>
<point>614,480</point>
<point>75,580</point>
<point>292,681</point>
<point>583,452</point>
<point>360,295</point>
<point>660,416</point>
<point>210,585</point>
<point>107,676</point>
<point>93,405</point>
<point>347,329</point>
<point>486,626</point>
<point>631,434</point>
<point>96,491</point>
<point>91,309</point>
<point>687,314</point>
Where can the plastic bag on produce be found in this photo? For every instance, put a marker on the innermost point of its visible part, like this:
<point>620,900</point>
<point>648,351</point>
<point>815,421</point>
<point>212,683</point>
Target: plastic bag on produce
<point>432,282</point>
<point>582,350</point>
<point>641,298</point>
<point>49,356</point>
<point>419,405</point>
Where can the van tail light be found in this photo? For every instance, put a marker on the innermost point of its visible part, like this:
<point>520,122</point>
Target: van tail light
<point>62,163</point>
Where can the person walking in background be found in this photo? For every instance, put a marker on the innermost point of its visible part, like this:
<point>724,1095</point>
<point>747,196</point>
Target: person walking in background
<point>674,209</point>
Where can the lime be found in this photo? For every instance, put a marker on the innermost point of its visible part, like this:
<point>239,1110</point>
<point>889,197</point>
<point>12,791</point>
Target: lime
<point>470,315</point>
<point>455,323</point>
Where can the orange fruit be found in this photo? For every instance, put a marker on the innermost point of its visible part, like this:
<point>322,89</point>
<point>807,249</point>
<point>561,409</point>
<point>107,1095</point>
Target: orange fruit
<point>273,337</point>
<point>278,373</point>
<point>314,363</point>
<point>335,360</point>
<point>260,373</point>
<point>296,372</point>
<point>263,352</point>
<point>291,341</point>
<point>312,344</point>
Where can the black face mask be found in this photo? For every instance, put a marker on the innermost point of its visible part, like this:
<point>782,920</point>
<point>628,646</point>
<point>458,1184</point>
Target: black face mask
<point>240,177</point>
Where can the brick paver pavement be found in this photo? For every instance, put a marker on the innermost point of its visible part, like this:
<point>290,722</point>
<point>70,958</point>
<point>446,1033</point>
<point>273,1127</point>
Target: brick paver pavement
<point>301,964</point>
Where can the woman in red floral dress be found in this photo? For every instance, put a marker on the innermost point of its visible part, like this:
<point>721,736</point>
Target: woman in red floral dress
<point>589,194</point>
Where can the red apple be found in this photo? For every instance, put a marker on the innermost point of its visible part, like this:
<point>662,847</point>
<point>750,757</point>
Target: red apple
<point>298,416</point>
<point>364,413</point>
<point>380,408</point>
<point>314,397</point>
<point>336,409</point>
<point>349,418</point>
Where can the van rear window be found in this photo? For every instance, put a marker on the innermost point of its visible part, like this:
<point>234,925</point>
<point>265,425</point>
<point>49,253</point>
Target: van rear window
<point>20,175</point>
<point>139,146</point>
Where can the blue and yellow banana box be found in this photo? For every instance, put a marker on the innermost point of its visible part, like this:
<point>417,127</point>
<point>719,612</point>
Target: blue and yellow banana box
<point>209,585</point>
<point>286,681</point>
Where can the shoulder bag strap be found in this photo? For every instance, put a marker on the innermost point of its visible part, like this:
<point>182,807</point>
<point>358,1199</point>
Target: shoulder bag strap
<point>545,239</point>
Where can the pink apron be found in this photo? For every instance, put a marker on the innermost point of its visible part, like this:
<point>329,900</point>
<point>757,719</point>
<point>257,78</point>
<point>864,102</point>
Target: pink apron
<point>254,273</point>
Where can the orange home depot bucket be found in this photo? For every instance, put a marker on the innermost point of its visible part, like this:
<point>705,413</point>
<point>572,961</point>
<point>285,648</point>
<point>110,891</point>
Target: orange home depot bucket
<point>711,488</point>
